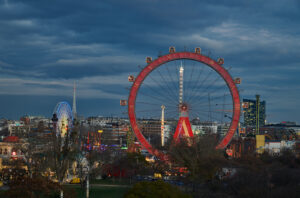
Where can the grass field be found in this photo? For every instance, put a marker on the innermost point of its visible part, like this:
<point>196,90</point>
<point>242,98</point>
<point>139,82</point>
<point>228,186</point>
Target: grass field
<point>99,191</point>
<point>111,181</point>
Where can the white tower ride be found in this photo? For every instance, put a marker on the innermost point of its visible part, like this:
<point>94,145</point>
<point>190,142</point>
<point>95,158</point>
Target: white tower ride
<point>162,132</point>
<point>181,85</point>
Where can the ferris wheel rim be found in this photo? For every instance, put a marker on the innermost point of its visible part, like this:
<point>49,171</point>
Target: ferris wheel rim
<point>177,56</point>
<point>59,109</point>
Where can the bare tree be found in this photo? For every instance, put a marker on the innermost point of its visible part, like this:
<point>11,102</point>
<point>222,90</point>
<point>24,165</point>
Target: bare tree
<point>63,151</point>
<point>199,156</point>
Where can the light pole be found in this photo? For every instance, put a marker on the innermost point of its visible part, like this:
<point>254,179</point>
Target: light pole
<point>87,181</point>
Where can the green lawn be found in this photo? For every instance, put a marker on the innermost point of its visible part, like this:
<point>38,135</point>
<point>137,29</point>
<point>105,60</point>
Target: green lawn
<point>100,191</point>
<point>112,181</point>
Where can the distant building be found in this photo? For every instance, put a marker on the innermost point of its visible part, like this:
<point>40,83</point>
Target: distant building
<point>241,146</point>
<point>250,112</point>
<point>276,147</point>
<point>18,128</point>
<point>277,132</point>
<point>204,128</point>
<point>10,150</point>
<point>151,129</point>
<point>105,131</point>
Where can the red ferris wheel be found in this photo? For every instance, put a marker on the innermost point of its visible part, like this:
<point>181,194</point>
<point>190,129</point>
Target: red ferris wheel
<point>185,92</point>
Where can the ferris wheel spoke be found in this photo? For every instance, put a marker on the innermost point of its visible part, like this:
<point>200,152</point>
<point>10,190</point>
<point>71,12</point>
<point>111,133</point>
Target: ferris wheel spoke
<point>153,104</point>
<point>200,86</point>
<point>173,82</point>
<point>208,116</point>
<point>167,105</point>
<point>168,88</point>
<point>205,118</point>
<point>177,71</point>
<point>163,90</point>
<point>206,104</point>
<point>196,83</point>
<point>212,84</point>
<point>160,93</point>
<point>163,100</point>
<point>155,112</point>
<point>217,111</point>
<point>190,78</point>
<point>148,103</point>
<point>147,110</point>
<point>213,98</point>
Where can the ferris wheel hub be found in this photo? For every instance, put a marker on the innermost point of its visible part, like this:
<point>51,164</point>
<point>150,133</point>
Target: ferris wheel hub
<point>184,107</point>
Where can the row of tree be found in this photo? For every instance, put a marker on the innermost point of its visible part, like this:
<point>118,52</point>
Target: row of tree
<point>209,172</point>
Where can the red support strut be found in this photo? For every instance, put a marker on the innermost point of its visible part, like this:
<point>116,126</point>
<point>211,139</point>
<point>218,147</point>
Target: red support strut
<point>183,129</point>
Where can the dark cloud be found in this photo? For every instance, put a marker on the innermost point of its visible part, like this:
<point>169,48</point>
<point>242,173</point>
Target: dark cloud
<point>54,86</point>
<point>61,41</point>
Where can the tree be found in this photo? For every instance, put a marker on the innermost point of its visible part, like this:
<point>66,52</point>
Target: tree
<point>27,187</point>
<point>35,187</point>
<point>199,156</point>
<point>131,163</point>
<point>40,126</point>
<point>63,151</point>
<point>34,154</point>
<point>264,176</point>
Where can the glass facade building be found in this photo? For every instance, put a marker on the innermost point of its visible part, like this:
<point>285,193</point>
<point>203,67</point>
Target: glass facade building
<point>250,112</point>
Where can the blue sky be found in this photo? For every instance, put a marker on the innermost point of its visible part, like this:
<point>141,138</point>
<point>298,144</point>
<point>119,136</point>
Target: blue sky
<point>46,45</point>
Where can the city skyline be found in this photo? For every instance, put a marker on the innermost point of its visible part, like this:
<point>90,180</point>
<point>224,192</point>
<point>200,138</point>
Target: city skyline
<point>45,47</point>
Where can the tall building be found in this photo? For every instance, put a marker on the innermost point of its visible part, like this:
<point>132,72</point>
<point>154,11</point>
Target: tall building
<point>252,111</point>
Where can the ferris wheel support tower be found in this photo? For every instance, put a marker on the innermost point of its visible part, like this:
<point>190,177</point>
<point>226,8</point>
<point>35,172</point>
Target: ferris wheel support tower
<point>183,128</point>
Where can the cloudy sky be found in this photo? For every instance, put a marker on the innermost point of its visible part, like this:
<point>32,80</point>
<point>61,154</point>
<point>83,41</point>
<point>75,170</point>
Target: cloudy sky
<point>47,45</point>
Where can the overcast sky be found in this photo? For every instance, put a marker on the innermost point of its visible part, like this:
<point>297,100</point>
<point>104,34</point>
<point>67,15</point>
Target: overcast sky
<point>46,45</point>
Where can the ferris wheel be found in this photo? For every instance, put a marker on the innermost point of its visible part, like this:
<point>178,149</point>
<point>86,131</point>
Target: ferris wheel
<point>182,94</point>
<point>64,115</point>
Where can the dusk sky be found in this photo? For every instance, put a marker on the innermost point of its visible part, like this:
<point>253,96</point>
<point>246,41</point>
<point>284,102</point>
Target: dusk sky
<point>47,45</point>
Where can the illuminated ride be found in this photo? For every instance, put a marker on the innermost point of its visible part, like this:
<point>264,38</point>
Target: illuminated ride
<point>192,88</point>
<point>64,121</point>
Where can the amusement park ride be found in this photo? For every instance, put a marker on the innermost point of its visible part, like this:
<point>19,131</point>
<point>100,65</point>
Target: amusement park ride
<point>64,118</point>
<point>179,83</point>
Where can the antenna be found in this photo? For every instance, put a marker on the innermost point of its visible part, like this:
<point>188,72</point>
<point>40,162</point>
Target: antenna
<point>74,102</point>
<point>223,112</point>
<point>209,109</point>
